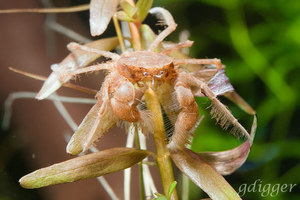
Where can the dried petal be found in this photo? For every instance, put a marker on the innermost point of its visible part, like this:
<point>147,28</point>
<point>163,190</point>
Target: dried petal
<point>226,162</point>
<point>83,167</point>
<point>70,63</point>
<point>101,11</point>
<point>93,126</point>
<point>202,174</point>
<point>219,83</point>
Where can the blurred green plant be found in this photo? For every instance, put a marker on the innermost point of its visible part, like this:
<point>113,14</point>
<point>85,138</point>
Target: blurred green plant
<point>259,42</point>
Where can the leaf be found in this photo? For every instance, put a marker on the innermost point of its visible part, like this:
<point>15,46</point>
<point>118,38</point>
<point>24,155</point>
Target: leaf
<point>171,189</point>
<point>143,7</point>
<point>160,197</point>
<point>93,126</point>
<point>202,174</point>
<point>123,16</point>
<point>70,63</point>
<point>226,162</point>
<point>128,8</point>
<point>101,11</point>
<point>83,167</point>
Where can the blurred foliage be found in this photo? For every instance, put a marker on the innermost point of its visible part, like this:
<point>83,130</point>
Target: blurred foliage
<point>259,42</point>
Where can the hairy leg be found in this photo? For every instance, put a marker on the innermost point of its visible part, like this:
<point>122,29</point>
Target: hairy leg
<point>219,111</point>
<point>188,116</point>
<point>167,18</point>
<point>174,47</point>
<point>214,61</point>
<point>74,46</point>
<point>92,68</point>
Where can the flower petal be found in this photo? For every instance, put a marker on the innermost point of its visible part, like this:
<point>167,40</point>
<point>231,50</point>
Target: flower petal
<point>101,12</point>
<point>202,174</point>
<point>87,166</point>
<point>220,83</point>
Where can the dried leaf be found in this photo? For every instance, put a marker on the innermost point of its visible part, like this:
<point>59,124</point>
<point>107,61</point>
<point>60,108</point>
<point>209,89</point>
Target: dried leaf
<point>71,63</point>
<point>202,174</point>
<point>91,128</point>
<point>219,83</point>
<point>83,167</point>
<point>101,11</point>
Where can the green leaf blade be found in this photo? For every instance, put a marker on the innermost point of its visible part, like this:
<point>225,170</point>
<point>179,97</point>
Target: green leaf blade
<point>143,7</point>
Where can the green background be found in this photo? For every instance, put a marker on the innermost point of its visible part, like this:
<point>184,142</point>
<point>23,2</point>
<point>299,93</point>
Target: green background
<point>259,42</point>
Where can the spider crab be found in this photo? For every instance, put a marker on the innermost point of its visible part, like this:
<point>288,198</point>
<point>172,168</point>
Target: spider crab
<point>132,73</point>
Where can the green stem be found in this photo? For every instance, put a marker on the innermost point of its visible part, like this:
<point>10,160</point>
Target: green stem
<point>119,33</point>
<point>163,156</point>
<point>185,187</point>
<point>138,145</point>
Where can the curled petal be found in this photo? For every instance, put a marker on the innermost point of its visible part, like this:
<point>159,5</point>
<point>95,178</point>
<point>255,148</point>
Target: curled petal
<point>202,174</point>
<point>101,11</point>
<point>87,166</point>
<point>226,162</point>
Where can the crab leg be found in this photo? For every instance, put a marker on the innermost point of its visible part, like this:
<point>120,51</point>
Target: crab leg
<point>214,61</point>
<point>73,46</point>
<point>219,111</point>
<point>93,68</point>
<point>166,17</point>
<point>174,47</point>
<point>188,116</point>
<point>123,101</point>
<point>96,123</point>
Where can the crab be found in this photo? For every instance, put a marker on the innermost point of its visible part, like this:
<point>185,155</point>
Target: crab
<point>132,73</point>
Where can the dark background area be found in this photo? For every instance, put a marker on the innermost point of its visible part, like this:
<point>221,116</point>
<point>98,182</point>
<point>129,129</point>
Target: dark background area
<point>258,41</point>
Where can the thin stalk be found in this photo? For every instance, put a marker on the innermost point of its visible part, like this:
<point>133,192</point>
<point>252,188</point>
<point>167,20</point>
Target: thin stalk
<point>163,156</point>
<point>127,172</point>
<point>135,36</point>
<point>185,188</point>
<point>72,9</point>
<point>43,78</point>
<point>138,145</point>
<point>119,33</point>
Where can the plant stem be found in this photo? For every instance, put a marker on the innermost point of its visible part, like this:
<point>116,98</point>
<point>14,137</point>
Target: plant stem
<point>119,33</point>
<point>137,142</point>
<point>163,156</point>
